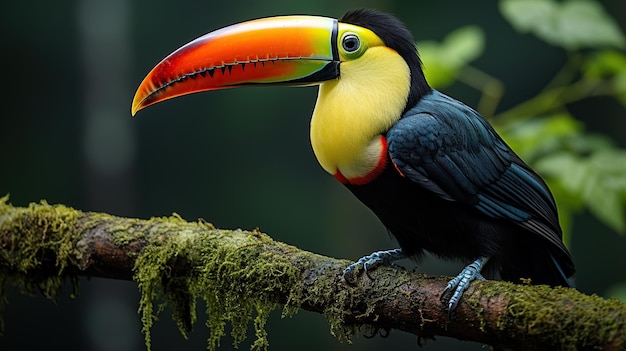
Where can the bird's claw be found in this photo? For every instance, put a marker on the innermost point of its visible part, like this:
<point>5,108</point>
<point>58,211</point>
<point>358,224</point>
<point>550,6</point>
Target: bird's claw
<point>457,286</point>
<point>371,262</point>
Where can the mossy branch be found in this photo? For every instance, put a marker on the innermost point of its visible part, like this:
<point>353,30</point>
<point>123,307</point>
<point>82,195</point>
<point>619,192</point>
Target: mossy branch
<point>244,275</point>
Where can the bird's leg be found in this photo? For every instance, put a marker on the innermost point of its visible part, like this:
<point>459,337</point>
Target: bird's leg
<point>373,261</point>
<point>461,282</point>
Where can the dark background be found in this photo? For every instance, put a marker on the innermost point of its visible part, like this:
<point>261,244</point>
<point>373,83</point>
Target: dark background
<point>237,158</point>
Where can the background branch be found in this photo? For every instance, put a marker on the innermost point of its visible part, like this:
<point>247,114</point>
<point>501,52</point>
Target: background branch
<point>244,275</point>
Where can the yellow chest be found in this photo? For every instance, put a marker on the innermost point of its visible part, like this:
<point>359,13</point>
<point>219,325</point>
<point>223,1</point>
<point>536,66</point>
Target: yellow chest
<point>353,112</point>
<point>343,140</point>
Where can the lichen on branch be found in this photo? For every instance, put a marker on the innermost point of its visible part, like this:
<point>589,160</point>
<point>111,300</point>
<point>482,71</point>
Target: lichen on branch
<point>244,275</point>
<point>239,275</point>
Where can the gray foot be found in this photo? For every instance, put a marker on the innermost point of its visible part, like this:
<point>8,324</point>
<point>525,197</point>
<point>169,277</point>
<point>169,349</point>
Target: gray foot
<point>371,262</point>
<point>457,286</point>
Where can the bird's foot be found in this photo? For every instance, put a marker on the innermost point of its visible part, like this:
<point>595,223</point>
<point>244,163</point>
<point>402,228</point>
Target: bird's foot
<point>457,286</point>
<point>371,262</point>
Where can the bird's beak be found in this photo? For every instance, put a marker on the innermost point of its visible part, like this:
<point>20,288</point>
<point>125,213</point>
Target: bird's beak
<point>290,50</point>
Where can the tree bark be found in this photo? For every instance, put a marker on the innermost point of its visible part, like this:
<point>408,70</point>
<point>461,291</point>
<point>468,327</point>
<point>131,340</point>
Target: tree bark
<point>243,274</point>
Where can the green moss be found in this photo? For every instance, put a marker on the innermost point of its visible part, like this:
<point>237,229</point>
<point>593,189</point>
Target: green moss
<point>500,291</point>
<point>243,276</point>
<point>25,261</point>
<point>537,312</point>
<point>240,275</point>
<point>346,307</point>
<point>236,273</point>
<point>533,310</point>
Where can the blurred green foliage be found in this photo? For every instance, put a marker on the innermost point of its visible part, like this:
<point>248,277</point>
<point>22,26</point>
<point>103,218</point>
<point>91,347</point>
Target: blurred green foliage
<point>584,170</point>
<point>243,159</point>
<point>570,24</point>
<point>444,60</point>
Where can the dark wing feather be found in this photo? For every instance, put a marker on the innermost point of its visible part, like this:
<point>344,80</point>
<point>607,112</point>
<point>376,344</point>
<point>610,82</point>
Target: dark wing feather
<point>451,150</point>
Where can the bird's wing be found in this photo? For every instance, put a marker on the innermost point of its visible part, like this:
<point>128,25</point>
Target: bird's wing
<point>449,149</point>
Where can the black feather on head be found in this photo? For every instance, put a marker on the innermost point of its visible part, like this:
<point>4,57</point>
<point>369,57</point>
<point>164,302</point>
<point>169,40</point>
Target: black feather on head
<point>396,36</point>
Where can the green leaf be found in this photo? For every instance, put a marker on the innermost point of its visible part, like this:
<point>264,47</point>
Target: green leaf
<point>584,144</point>
<point>605,203</point>
<point>573,24</point>
<point>531,138</point>
<point>609,64</point>
<point>529,15</point>
<point>439,73</point>
<point>566,168</point>
<point>464,45</point>
<point>567,205</point>
<point>605,63</point>
<point>597,180</point>
<point>555,169</point>
<point>581,169</point>
<point>442,61</point>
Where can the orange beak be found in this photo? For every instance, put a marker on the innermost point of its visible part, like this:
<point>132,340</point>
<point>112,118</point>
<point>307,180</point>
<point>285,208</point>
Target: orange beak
<point>289,50</point>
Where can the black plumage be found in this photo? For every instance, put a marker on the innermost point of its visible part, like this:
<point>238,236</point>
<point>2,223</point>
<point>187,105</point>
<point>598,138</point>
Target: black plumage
<point>457,190</point>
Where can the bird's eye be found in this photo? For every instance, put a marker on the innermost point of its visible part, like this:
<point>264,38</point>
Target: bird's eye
<point>351,43</point>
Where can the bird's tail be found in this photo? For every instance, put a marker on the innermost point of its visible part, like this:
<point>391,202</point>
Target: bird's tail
<point>539,265</point>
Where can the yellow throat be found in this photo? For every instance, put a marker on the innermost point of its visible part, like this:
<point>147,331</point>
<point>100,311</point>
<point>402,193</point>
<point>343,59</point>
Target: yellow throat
<point>353,111</point>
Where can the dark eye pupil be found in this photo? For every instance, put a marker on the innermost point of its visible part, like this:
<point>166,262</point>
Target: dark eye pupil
<point>351,43</point>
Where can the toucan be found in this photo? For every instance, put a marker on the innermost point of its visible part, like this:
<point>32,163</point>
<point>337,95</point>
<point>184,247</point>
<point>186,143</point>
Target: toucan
<point>432,169</point>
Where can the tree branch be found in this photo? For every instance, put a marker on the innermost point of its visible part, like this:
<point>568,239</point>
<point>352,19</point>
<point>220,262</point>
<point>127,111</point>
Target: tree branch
<point>243,275</point>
